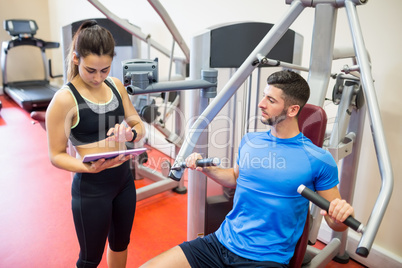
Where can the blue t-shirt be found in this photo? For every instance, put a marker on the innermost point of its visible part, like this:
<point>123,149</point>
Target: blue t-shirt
<point>268,213</point>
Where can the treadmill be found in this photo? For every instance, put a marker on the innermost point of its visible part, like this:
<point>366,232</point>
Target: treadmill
<point>35,94</point>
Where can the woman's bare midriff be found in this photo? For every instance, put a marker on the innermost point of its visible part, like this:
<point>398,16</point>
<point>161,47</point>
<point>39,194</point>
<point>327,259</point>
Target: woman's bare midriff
<point>102,146</point>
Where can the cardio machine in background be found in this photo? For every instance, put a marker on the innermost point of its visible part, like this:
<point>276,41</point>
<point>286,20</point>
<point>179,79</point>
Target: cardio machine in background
<point>33,94</point>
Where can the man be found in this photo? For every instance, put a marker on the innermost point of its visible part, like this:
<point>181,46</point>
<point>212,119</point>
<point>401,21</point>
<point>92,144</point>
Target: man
<point>268,214</point>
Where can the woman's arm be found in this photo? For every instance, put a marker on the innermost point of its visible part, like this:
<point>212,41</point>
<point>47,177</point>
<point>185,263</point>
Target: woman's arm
<point>59,116</point>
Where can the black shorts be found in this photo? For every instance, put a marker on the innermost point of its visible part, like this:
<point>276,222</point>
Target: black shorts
<point>209,252</point>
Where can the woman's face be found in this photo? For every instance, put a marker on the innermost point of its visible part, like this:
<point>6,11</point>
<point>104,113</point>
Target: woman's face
<point>93,69</point>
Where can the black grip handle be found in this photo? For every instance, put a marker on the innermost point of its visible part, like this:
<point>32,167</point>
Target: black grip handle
<point>324,204</point>
<point>205,162</point>
<point>208,162</point>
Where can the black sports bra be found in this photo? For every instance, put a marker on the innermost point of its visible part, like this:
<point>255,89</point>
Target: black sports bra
<point>94,120</point>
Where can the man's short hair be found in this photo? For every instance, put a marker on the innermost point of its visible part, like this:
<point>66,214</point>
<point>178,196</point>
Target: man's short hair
<point>295,88</point>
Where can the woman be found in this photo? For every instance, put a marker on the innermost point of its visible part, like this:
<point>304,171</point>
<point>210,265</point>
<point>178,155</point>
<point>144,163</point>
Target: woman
<point>94,112</point>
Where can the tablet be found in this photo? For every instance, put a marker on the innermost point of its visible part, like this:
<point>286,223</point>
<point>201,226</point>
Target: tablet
<point>108,155</point>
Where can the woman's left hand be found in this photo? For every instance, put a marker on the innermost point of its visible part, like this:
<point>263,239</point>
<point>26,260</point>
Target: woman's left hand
<point>120,133</point>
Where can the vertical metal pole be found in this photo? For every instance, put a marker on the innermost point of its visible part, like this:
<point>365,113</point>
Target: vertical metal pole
<point>233,114</point>
<point>167,94</point>
<point>197,182</point>
<point>384,161</point>
<point>349,169</point>
<point>342,118</point>
<point>257,99</point>
<point>320,70</point>
<point>197,185</point>
<point>3,61</point>
<point>179,122</point>
<point>321,52</point>
<point>247,106</point>
<point>45,64</point>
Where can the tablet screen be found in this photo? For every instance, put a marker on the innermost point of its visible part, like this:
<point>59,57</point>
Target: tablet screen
<point>107,155</point>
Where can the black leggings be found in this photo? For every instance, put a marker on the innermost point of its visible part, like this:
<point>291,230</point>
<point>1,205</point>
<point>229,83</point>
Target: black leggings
<point>103,207</point>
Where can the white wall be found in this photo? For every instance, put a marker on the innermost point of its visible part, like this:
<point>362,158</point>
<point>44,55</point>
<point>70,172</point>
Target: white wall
<point>380,22</point>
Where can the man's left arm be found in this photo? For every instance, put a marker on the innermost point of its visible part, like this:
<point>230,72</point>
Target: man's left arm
<point>339,210</point>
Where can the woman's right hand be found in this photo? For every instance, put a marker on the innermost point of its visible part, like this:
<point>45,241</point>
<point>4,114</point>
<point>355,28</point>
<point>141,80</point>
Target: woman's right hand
<point>120,133</point>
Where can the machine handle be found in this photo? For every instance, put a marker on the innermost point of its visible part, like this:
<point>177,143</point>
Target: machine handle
<point>206,162</point>
<point>324,204</point>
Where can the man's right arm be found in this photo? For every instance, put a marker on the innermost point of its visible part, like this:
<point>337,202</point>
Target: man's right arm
<point>227,177</point>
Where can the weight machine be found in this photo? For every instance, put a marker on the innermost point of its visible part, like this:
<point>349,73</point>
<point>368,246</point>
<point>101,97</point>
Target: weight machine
<point>354,93</point>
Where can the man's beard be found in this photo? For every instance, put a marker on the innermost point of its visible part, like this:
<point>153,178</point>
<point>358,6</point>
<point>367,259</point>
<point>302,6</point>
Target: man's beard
<point>272,121</point>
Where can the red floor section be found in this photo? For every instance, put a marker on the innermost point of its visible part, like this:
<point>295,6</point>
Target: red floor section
<point>35,216</point>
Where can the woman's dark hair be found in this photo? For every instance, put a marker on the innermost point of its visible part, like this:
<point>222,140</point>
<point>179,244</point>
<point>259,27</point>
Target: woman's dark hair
<point>90,38</point>
<point>295,88</point>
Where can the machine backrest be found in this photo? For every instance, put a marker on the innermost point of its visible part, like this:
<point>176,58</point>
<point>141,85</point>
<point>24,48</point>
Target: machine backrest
<point>312,123</point>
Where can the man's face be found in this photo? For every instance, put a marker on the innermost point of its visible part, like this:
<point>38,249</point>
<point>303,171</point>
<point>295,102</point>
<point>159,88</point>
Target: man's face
<point>272,106</point>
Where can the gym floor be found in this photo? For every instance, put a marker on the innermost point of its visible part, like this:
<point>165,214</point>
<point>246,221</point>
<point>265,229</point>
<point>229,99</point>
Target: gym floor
<point>35,216</point>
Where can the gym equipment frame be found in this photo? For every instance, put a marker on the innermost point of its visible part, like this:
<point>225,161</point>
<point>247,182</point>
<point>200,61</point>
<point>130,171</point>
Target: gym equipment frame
<point>345,140</point>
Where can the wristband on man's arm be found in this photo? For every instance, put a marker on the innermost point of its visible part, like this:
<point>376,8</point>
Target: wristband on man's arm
<point>134,135</point>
